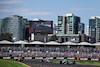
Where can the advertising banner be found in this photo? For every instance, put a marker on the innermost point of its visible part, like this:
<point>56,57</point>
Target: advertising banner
<point>28,57</point>
<point>42,27</point>
<point>71,58</point>
<point>49,57</point>
<point>83,58</point>
<point>17,51</point>
<point>6,57</point>
<point>15,57</point>
<point>60,57</point>
<point>95,59</point>
<point>38,57</point>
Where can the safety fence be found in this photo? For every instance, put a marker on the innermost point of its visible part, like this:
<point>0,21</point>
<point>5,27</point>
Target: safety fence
<point>72,58</point>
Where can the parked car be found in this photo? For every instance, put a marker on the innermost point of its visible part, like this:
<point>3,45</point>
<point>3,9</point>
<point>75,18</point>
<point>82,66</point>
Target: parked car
<point>65,61</point>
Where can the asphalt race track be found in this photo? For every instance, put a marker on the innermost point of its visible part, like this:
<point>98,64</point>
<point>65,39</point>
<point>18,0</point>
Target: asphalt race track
<point>36,63</point>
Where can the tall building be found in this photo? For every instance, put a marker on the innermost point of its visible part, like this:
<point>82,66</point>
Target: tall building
<point>26,28</point>
<point>55,28</point>
<point>60,22</point>
<point>81,28</point>
<point>94,28</point>
<point>69,28</point>
<point>87,30</point>
<point>13,25</point>
<point>68,24</point>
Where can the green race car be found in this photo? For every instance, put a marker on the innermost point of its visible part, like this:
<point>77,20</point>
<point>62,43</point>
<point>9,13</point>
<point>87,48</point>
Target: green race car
<point>65,61</point>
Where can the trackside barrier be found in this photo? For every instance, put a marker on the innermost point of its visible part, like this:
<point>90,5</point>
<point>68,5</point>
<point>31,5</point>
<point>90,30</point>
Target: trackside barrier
<point>95,59</point>
<point>6,57</point>
<point>38,57</point>
<point>60,58</point>
<point>49,57</point>
<point>83,58</point>
<point>71,58</point>
<point>15,57</point>
<point>28,58</point>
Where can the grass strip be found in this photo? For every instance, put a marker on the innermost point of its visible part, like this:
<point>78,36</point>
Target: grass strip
<point>89,63</point>
<point>7,63</point>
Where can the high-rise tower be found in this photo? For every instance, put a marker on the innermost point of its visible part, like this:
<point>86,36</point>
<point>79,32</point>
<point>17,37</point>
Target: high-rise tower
<point>68,24</point>
<point>94,28</point>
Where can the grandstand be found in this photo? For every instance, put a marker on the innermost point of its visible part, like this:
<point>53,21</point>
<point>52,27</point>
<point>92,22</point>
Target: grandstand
<point>72,52</point>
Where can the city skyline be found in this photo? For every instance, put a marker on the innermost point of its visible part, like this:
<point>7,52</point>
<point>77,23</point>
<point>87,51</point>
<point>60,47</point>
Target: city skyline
<point>50,9</point>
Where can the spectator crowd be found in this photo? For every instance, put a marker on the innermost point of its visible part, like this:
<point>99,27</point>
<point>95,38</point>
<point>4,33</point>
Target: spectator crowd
<point>81,52</point>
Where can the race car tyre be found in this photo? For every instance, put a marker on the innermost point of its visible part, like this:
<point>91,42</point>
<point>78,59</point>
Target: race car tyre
<point>60,62</point>
<point>42,60</point>
<point>74,62</point>
<point>67,62</point>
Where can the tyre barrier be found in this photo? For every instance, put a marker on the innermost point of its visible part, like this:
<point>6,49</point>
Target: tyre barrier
<point>72,58</point>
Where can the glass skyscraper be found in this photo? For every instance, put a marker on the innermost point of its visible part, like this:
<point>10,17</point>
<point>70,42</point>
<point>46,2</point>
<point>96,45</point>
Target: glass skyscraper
<point>13,25</point>
<point>68,28</point>
<point>60,22</point>
<point>94,28</point>
<point>68,24</point>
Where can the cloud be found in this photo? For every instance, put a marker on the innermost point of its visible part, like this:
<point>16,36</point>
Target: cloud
<point>10,1</point>
<point>24,11</point>
<point>4,10</point>
<point>36,13</point>
<point>81,9</point>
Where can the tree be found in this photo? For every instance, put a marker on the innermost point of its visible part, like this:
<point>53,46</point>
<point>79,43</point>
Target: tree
<point>6,36</point>
<point>53,38</point>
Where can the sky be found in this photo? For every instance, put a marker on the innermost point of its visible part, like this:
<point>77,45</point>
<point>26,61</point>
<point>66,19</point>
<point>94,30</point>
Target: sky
<point>50,9</point>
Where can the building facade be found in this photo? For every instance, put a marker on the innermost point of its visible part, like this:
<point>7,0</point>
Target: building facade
<point>26,24</point>
<point>81,28</point>
<point>87,30</point>
<point>55,28</point>
<point>66,37</point>
<point>68,24</point>
<point>68,28</point>
<point>13,25</point>
<point>60,22</point>
<point>94,28</point>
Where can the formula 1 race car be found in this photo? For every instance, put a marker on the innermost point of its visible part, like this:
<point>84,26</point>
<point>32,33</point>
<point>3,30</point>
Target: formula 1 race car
<point>19,59</point>
<point>65,61</point>
<point>46,60</point>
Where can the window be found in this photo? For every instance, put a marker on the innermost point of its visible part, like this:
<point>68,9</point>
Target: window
<point>70,32</point>
<point>70,28</point>
<point>59,18</point>
<point>70,24</point>
<point>60,28</point>
<point>93,29</point>
<point>59,22</point>
<point>71,18</point>
<point>59,32</point>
